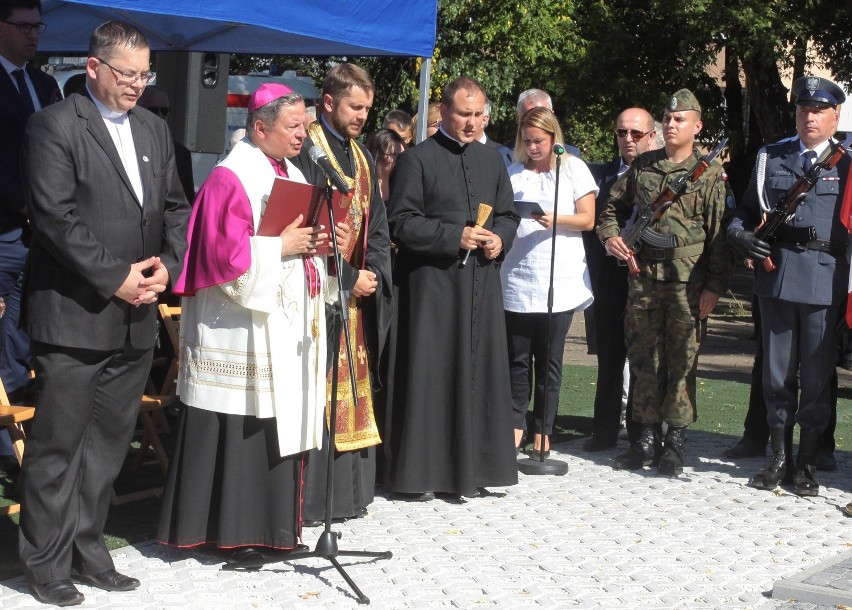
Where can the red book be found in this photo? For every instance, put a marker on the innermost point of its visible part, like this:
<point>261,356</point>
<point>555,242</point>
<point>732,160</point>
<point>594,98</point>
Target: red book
<point>288,199</point>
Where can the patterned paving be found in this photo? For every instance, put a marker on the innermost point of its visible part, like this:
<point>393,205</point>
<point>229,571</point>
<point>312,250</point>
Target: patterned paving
<point>596,538</point>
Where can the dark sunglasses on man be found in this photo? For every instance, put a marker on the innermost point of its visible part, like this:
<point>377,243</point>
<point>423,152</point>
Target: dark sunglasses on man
<point>636,134</point>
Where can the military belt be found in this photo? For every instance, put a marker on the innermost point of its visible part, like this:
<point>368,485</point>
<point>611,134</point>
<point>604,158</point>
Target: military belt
<point>835,248</point>
<point>665,254</point>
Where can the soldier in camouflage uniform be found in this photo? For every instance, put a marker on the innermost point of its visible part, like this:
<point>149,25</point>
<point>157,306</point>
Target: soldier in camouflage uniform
<point>669,301</point>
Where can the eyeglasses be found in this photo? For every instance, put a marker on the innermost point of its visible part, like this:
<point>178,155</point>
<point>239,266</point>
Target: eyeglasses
<point>161,110</point>
<point>25,28</point>
<point>130,78</point>
<point>390,155</point>
<point>636,134</point>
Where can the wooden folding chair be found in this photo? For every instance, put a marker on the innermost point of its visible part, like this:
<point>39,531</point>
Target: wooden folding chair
<point>12,419</point>
<point>170,317</point>
<point>149,408</point>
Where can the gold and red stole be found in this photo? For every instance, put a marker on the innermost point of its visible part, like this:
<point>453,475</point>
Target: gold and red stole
<point>356,427</point>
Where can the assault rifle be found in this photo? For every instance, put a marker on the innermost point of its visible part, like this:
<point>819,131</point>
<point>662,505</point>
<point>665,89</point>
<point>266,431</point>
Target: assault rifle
<point>785,209</point>
<point>641,231</point>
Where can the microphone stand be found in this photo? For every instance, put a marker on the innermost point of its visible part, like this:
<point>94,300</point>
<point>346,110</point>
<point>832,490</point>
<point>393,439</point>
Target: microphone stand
<point>538,464</point>
<point>326,546</point>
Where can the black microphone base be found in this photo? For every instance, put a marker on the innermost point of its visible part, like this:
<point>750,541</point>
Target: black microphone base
<point>534,466</point>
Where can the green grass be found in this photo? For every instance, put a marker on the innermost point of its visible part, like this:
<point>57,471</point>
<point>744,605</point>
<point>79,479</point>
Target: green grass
<point>721,408</point>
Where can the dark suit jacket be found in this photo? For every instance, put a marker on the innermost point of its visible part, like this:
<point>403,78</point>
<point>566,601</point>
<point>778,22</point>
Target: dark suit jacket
<point>605,175</point>
<point>13,118</point>
<point>89,227</point>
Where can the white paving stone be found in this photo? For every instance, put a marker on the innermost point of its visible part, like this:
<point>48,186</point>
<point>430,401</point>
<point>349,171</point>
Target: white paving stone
<point>597,538</point>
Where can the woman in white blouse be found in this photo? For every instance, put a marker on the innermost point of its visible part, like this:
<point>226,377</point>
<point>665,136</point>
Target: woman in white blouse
<point>526,269</point>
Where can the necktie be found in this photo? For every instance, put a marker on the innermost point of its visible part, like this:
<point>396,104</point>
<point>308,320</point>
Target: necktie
<point>311,273</point>
<point>24,90</point>
<point>808,160</point>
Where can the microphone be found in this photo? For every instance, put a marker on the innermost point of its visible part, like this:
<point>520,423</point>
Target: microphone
<point>558,149</point>
<point>319,157</point>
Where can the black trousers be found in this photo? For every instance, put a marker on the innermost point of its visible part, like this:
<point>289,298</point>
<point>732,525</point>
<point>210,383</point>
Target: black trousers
<point>610,287</point>
<point>86,409</point>
<point>536,355</point>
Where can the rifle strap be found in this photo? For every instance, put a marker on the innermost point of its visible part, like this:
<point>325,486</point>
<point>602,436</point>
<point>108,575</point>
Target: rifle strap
<point>666,254</point>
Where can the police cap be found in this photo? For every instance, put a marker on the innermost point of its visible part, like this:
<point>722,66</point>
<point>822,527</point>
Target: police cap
<point>683,100</point>
<point>817,92</point>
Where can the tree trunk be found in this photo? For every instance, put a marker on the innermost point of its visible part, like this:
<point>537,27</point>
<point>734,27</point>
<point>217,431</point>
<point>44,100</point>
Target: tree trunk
<point>769,97</point>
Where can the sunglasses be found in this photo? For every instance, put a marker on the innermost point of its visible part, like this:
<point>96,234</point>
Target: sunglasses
<point>636,134</point>
<point>161,110</point>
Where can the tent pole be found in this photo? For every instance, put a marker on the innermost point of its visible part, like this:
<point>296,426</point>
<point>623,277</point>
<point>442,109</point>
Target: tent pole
<point>423,102</point>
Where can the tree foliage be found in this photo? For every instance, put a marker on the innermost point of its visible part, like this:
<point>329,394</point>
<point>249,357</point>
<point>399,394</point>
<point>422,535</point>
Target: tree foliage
<point>596,57</point>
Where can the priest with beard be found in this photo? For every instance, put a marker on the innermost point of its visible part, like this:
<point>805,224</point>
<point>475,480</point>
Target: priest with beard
<point>347,96</point>
<point>448,427</point>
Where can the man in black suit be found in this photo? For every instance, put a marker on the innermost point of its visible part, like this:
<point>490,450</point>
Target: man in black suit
<point>109,223</point>
<point>634,133</point>
<point>23,90</point>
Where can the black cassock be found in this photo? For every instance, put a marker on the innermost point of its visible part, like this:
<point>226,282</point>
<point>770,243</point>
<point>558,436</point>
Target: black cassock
<point>448,426</point>
<point>354,471</point>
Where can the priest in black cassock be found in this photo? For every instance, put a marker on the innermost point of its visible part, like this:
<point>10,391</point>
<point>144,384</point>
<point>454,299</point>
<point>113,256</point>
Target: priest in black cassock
<point>448,426</point>
<point>347,96</point>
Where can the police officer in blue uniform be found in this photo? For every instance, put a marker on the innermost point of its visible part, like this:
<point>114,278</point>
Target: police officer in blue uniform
<point>801,300</point>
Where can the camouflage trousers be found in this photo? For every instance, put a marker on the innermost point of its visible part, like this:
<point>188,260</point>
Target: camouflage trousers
<point>663,335</point>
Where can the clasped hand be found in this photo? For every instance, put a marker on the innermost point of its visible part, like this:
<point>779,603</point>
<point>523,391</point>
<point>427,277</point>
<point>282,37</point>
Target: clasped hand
<point>477,237</point>
<point>137,289</point>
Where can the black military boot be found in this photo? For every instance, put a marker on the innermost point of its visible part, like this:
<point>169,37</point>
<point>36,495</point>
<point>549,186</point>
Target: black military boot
<point>671,463</point>
<point>643,452</point>
<point>804,480</point>
<point>776,468</point>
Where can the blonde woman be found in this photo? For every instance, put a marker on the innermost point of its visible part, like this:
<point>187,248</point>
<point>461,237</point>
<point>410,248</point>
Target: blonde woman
<point>533,352</point>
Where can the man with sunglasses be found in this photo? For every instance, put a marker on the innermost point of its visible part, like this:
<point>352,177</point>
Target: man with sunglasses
<point>155,100</point>
<point>670,299</point>
<point>23,90</point>
<point>634,135</point>
<point>109,222</point>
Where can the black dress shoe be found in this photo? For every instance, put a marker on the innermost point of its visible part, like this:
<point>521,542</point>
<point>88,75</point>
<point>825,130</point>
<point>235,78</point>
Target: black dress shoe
<point>594,445</point>
<point>312,523</point>
<point>536,454</point>
<point>745,448</point>
<point>57,592</point>
<point>109,580</point>
<point>426,496</point>
<point>253,556</point>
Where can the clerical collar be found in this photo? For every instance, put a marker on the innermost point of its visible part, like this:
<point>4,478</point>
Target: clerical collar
<point>333,131</point>
<point>818,149</point>
<point>462,144</point>
<point>9,66</point>
<point>112,115</point>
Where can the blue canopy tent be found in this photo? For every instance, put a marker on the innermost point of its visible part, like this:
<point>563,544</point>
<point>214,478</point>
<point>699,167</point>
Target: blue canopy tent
<point>292,27</point>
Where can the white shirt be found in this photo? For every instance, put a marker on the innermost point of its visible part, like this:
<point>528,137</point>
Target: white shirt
<point>526,269</point>
<point>118,126</point>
